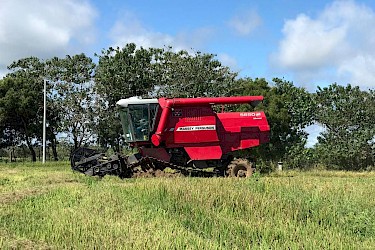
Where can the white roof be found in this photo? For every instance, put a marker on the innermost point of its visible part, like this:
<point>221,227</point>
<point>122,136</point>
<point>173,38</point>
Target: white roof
<point>135,100</point>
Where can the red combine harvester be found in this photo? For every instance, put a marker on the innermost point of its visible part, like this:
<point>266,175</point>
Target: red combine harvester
<point>184,134</point>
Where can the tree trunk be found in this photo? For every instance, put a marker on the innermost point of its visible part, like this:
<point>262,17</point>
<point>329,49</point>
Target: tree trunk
<point>54,149</point>
<point>53,140</point>
<point>75,141</point>
<point>28,142</point>
<point>32,151</point>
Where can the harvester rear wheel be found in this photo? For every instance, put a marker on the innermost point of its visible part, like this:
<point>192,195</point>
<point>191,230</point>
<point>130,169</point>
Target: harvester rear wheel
<point>240,168</point>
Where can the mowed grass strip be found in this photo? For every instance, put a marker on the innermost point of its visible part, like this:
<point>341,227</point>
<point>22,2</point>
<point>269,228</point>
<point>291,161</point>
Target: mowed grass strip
<point>309,210</point>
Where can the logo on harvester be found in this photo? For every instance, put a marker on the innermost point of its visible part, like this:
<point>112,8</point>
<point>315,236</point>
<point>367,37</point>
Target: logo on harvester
<point>251,114</point>
<point>197,128</point>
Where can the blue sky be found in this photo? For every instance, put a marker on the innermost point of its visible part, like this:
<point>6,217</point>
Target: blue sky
<point>308,42</point>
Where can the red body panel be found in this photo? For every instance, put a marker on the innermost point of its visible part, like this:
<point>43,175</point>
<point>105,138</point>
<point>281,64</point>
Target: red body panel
<point>192,124</point>
<point>159,153</point>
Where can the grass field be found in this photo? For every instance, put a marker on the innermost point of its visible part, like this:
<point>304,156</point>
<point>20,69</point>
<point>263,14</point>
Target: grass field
<point>50,207</point>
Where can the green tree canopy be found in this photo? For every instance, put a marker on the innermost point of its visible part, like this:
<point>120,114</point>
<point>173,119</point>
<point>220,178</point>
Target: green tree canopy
<point>348,115</point>
<point>73,96</point>
<point>120,73</point>
<point>124,72</point>
<point>21,102</point>
<point>181,74</point>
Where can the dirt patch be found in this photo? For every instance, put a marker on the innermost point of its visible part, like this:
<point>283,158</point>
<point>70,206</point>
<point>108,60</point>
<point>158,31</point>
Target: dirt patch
<point>157,173</point>
<point>14,196</point>
<point>11,242</point>
<point>10,171</point>
<point>18,195</point>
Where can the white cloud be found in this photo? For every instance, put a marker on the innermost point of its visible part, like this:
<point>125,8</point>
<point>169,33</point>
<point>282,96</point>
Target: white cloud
<point>3,73</point>
<point>228,61</point>
<point>245,23</point>
<point>43,28</point>
<point>130,30</point>
<point>309,44</point>
<point>360,68</point>
<point>336,46</point>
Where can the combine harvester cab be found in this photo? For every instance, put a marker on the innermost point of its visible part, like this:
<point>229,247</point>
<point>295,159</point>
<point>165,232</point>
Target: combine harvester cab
<point>184,134</point>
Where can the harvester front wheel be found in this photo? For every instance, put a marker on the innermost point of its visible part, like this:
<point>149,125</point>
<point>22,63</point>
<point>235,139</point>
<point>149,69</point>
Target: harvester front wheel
<point>240,168</point>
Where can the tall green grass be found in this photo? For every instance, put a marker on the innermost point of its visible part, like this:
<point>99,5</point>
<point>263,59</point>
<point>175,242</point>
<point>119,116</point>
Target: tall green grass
<point>55,208</point>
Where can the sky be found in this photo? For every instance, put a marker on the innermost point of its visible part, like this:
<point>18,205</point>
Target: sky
<point>311,43</point>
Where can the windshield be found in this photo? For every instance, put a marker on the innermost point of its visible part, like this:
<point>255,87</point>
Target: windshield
<point>124,116</point>
<point>138,121</point>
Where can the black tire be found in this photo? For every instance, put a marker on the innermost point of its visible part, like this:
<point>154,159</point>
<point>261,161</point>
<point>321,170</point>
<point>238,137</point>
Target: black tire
<point>240,168</point>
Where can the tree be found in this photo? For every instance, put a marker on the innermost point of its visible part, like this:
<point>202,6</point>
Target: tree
<point>181,74</point>
<point>35,71</point>
<point>72,97</point>
<point>21,100</point>
<point>348,116</point>
<point>121,73</point>
<point>296,113</point>
<point>10,138</point>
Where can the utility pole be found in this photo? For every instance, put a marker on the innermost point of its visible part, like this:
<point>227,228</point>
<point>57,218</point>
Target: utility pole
<point>44,121</point>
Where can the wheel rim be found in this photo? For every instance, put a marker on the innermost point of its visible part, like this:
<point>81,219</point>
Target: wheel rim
<point>241,173</point>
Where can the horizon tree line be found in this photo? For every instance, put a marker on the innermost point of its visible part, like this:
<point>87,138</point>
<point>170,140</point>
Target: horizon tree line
<point>81,98</point>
